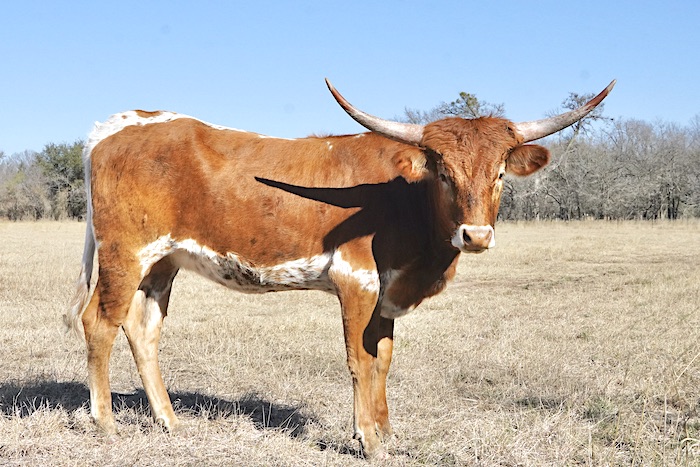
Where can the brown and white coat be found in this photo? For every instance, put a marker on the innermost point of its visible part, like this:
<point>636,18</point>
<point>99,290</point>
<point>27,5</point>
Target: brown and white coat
<point>378,219</point>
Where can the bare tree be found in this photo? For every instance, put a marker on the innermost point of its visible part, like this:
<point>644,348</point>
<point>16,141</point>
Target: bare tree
<point>23,188</point>
<point>465,106</point>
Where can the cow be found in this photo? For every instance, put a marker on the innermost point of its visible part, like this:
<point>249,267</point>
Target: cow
<point>378,218</point>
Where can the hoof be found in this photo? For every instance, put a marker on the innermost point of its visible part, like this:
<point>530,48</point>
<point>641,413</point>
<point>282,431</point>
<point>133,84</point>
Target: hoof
<point>171,426</point>
<point>111,439</point>
<point>107,428</point>
<point>374,451</point>
<point>386,433</point>
<point>378,454</point>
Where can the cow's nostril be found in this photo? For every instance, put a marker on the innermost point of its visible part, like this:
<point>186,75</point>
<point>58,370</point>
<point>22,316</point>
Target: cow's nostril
<point>465,236</point>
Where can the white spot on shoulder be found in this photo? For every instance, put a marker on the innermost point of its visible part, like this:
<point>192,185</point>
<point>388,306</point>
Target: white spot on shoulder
<point>368,279</point>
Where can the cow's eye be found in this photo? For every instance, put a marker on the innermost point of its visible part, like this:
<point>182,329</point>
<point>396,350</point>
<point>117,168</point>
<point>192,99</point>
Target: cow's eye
<point>443,178</point>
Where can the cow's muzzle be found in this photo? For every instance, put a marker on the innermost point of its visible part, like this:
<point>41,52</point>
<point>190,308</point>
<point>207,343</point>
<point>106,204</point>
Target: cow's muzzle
<point>474,238</point>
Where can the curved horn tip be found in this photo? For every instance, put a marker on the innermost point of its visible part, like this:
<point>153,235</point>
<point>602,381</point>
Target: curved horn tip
<point>607,90</point>
<point>593,103</point>
<point>342,101</point>
<point>335,92</point>
<point>537,129</point>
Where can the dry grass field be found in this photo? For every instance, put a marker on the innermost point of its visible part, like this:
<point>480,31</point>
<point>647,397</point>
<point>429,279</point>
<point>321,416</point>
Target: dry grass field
<point>569,344</point>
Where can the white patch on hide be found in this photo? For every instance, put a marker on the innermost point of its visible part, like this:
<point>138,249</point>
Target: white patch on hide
<point>117,122</point>
<point>367,278</point>
<point>236,273</point>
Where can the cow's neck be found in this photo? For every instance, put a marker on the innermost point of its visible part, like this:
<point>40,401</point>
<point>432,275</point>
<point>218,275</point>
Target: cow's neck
<point>430,261</point>
<point>425,274</point>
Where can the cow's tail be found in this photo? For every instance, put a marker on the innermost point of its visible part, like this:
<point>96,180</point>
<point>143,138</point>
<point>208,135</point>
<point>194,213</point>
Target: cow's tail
<point>73,318</point>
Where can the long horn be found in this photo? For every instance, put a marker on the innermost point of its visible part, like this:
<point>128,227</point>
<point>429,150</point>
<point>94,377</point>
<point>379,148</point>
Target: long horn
<point>408,133</point>
<point>537,129</point>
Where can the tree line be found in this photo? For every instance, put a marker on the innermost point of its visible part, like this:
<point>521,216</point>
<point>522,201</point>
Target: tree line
<point>601,169</point>
<point>626,169</point>
<point>44,185</point>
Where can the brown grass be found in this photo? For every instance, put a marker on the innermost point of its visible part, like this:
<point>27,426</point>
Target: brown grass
<point>569,344</point>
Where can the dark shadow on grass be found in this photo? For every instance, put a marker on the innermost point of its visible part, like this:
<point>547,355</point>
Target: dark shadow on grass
<point>24,399</point>
<point>340,448</point>
<point>263,413</point>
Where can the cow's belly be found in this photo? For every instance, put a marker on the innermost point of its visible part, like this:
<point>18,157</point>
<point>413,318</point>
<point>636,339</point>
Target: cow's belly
<point>237,273</point>
<point>234,272</point>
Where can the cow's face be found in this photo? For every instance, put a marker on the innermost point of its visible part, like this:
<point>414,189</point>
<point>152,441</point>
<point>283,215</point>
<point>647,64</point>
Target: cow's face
<point>466,161</point>
<point>469,160</point>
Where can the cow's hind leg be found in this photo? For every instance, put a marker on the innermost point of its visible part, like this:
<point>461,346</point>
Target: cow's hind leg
<point>101,321</point>
<point>142,328</point>
<point>99,338</point>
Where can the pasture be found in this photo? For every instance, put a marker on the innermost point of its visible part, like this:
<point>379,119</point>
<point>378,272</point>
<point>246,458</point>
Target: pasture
<point>568,344</point>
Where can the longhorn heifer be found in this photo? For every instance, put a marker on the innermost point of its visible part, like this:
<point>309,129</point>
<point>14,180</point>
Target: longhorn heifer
<point>378,219</point>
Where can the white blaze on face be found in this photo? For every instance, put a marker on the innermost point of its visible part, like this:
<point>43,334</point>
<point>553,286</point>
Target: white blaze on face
<point>474,238</point>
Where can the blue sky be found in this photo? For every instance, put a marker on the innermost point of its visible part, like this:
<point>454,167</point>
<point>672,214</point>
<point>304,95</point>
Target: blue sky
<point>259,65</point>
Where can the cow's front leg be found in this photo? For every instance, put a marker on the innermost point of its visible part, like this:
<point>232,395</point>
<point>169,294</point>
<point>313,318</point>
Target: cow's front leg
<point>358,308</point>
<point>361,345</point>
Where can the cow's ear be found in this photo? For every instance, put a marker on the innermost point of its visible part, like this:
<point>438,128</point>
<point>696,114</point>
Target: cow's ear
<point>527,159</point>
<point>411,164</point>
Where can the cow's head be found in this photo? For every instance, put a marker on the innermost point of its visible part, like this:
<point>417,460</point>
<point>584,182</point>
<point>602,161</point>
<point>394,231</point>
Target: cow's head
<point>465,161</point>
